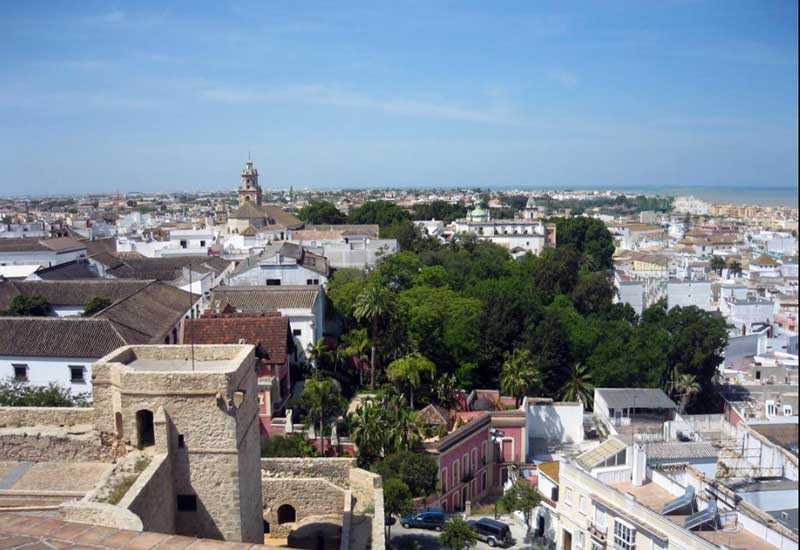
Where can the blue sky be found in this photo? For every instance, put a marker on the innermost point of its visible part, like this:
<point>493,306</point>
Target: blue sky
<point>104,96</point>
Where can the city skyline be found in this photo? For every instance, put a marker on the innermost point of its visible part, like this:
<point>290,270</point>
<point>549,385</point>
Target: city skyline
<point>621,95</point>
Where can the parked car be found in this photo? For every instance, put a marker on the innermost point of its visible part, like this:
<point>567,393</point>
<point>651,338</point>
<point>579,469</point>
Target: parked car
<point>424,520</point>
<point>492,532</point>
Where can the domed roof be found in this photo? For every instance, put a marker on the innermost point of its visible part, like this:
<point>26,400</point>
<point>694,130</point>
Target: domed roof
<point>478,212</point>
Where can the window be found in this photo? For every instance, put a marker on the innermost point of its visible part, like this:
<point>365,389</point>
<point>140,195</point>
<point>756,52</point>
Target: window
<point>598,546</point>
<point>475,459</point>
<point>579,540</point>
<point>443,479</point>
<point>296,332</point>
<point>582,505</point>
<point>309,281</point>
<point>316,281</point>
<point>77,374</point>
<point>202,243</point>
<point>273,282</point>
<point>624,537</point>
<point>187,503</point>
<point>455,473</point>
<point>483,481</point>
<point>181,441</point>
<point>600,518</point>
<point>184,243</point>
<point>568,496</point>
<point>20,372</point>
<point>465,464</point>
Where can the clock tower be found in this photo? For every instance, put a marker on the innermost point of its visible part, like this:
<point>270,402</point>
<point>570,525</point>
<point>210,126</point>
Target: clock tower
<point>249,190</point>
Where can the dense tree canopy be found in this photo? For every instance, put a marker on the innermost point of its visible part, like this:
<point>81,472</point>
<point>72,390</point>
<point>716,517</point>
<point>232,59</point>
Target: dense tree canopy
<point>383,213</point>
<point>467,305</point>
<point>322,212</point>
<point>33,306</point>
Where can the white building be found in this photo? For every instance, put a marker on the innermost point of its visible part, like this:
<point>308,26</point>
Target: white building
<point>691,205</point>
<point>286,264</point>
<point>690,293</point>
<point>43,252</point>
<point>515,235</point>
<point>303,305</point>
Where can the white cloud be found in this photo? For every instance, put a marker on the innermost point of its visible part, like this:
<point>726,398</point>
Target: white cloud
<point>493,113</point>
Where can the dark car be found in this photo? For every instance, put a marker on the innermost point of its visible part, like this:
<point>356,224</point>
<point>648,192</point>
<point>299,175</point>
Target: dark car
<point>424,520</point>
<point>492,532</point>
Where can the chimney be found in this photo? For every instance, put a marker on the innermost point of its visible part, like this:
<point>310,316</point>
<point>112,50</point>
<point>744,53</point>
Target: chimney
<point>639,473</point>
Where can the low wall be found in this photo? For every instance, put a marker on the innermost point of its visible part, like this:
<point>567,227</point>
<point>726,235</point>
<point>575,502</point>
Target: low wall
<point>308,497</point>
<point>45,416</point>
<point>53,445</point>
<point>363,485</point>
<point>151,497</point>
<point>103,515</point>
<point>335,470</point>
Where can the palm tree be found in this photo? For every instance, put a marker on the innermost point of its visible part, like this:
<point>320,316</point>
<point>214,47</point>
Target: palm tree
<point>404,431</point>
<point>373,305</point>
<point>520,374</point>
<point>316,351</point>
<point>356,345</point>
<point>686,386</point>
<point>735,268</point>
<point>409,369</point>
<point>322,400</point>
<point>368,431</point>
<point>578,386</point>
<point>444,387</point>
<point>717,264</point>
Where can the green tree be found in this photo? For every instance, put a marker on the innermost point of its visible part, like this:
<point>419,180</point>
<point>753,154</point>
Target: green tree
<point>383,213</point>
<point>718,264</point>
<point>322,400</point>
<point>552,351</point>
<point>578,386</point>
<point>520,374</point>
<point>736,268</point>
<point>95,304</point>
<point>16,393</point>
<point>417,470</point>
<point>368,431</point>
<point>521,497</point>
<point>357,344</point>
<point>343,290</point>
<point>35,305</point>
<point>410,370</point>
<point>290,446</point>
<point>590,238</point>
<point>374,305</point>
<point>444,388</point>
<point>317,352</point>
<point>593,293</point>
<point>457,534</point>
<point>685,387</point>
<point>322,212</point>
<point>397,499</point>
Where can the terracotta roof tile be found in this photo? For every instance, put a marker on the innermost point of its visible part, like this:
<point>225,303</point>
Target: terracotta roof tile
<point>269,332</point>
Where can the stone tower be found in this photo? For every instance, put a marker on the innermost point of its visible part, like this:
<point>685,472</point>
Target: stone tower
<point>249,190</point>
<point>196,411</point>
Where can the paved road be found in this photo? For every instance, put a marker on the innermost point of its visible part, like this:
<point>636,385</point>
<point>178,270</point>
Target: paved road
<point>429,540</point>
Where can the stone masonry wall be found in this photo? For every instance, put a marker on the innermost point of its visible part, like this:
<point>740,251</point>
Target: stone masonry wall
<point>309,497</point>
<point>152,496</point>
<point>55,445</point>
<point>45,416</point>
<point>363,485</point>
<point>335,470</point>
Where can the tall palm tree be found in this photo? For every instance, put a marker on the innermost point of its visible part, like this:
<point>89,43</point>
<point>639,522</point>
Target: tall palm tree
<point>368,430</point>
<point>409,369</point>
<point>373,305</point>
<point>357,343</point>
<point>686,386</point>
<point>404,431</point>
<point>578,386</point>
<point>736,268</point>
<point>520,374</point>
<point>323,401</point>
<point>316,351</point>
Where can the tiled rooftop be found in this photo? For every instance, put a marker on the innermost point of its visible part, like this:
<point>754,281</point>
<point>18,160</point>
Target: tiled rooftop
<point>43,532</point>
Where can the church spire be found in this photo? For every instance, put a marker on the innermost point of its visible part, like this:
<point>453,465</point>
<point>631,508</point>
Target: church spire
<point>249,190</point>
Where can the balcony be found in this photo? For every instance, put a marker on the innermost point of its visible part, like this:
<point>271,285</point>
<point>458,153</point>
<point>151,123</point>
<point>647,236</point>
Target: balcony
<point>597,531</point>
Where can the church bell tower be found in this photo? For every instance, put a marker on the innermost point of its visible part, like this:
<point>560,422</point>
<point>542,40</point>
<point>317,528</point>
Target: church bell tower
<point>249,190</point>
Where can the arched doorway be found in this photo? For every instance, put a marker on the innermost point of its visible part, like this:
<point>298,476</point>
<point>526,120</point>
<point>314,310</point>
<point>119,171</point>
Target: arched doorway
<point>144,429</point>
<point>286,514</point>
<point>118,424</point>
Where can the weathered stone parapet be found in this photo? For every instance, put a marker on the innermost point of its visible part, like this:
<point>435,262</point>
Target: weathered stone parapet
<point>45,416</point>
<point>151,496</point>
<point>364,485</point>
<point>51,444</point>
<point>104,515</point>
<point>335,470</point>
<point>307,497</point>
